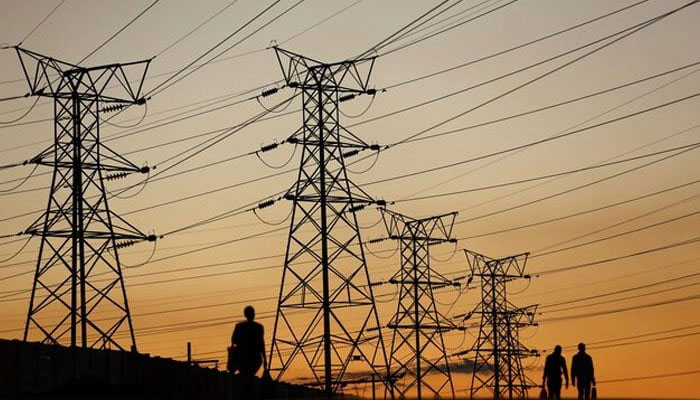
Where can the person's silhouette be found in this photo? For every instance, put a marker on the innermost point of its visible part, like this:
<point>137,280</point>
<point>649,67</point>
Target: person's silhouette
<point>247,346</point>
<point>554,367</point>
<point>582,375</point>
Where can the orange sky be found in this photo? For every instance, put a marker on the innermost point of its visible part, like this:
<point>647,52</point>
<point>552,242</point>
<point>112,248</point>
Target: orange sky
<point>76,28</point>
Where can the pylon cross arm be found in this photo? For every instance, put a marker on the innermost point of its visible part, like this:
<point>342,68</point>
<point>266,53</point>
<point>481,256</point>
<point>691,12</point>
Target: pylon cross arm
<point>111,83</point>
<point>348,76</point>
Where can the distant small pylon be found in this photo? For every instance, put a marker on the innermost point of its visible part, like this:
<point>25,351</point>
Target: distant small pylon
<point>498,352</point>
<point>417,344</point>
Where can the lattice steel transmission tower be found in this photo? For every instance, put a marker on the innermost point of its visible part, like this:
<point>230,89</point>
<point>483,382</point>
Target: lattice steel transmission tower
<point>498,351</point>
<point>417,344</point>
<point>326,324</point>
<point>78,295</point>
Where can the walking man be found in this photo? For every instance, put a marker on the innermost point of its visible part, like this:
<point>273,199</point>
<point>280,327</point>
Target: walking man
<point>554,368</point>
<point>247,351</point>
<point>582,375</point>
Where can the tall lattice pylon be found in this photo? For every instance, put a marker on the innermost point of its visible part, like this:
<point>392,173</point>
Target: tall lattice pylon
<point>326,327</point>
<point>417,344</point>
<point>498,352</point>
<point>78,295</point>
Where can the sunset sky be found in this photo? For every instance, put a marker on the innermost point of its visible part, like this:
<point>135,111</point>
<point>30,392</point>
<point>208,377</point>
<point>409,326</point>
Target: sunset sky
<point>607,213</point>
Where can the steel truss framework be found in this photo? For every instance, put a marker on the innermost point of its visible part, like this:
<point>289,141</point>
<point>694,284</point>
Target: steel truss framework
<point>498,351</point>
<point>417,344</point>
<point>78,295</point>
<point>326,327</point>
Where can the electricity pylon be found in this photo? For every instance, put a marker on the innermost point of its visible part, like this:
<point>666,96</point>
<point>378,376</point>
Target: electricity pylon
<point>498,351</point>
<point>326,323</point>
<point>417,344</point>
<point>78,295</point>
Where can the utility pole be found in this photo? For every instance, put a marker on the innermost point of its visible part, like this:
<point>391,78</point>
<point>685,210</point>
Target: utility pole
<point>326,324</point>
<point>498,352</point>
<point>78,296</point>
<point>417,344</point>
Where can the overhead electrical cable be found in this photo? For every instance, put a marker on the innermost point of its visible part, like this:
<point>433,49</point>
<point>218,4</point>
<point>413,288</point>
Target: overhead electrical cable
<point>648,377</point>
<point>622,309</point>
<point>579,213</point>
<point>401,47</point>
<point>616,292</point>
<point>536,142</point>
<point>189,69</point>
<point>196,28</point>
<point>588,264</point>
<point>53,10</point>
<point>109,39</point>
<point>616,37</point>
<point>575,188</point>
<point>678,150</point>
<point>575,126</point>
<point>520,46</point>
<point>625,233</point>
<point>588,306</point>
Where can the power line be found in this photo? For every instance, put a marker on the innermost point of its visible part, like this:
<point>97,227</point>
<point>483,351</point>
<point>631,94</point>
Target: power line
<point>446,29</point>
<point>407,27</point>
<point>207,144</point>
<point>616,278</point>
<point>196,267</point>
<point>628,232</point>
<point>580,213</point>
<point>239,210</point>
<point>422,21</point>
<point>647,377</point>
<point>653,225</point>
<point>640,335</point>
<point>536,142</point>
<point>683,149</point>
<point>175,78</point>
<point>631,151</point>
<point>109,39</point>
<point>575,126</point>
<point>185,36</point>
<point>309,28</point>
<point>622,35</point>
<point>197,66</point>
<point>576,188</point>
<point>566,134</point>
<point>41,22</point>
<point>617,258</point>
<point>464,14</point>
<point>619,291</point>
<point>14,97</point>
<point>21,117</point>
<point>614,120</point>
<point>520,46</point>
<point>635,296</point>
<point>597,166</point>
<point>561,103</point>
<point>623,309</point>
<point>164,121</point>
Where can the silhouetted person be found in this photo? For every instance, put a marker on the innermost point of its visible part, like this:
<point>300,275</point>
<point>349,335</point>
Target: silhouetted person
<point>582,375</point>
<point>554,368</point>
<point>247,352</point>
